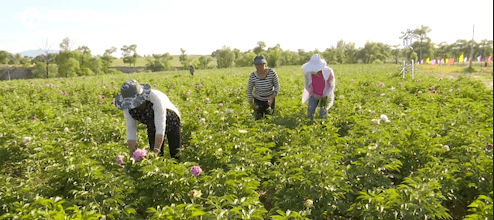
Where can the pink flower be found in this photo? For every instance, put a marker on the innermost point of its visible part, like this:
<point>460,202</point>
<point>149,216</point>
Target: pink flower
<point>189,92</point>
<point>220,105</point>
<point>400,84</point>
<point>196,170</point>
<point>458,90</point>
<point>139,154</point>
<point>196,86</point>
<point>154,85</point>
<point>381,84</point>
<point>489,146</point>
<point>198,108</point>
<point>34,117</point>
<point>120,160</point>
<point>235,90</point>
<point>99,102</point>
<point>419,80</point>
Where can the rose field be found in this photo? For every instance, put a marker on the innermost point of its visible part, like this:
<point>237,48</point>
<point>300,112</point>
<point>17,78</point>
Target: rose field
<point>62,142</point>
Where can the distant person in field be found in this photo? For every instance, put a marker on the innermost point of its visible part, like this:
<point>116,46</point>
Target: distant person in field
<point>191,69</point>
<point>262,88</point>
<point>319,86</point>
<point>153,108</point>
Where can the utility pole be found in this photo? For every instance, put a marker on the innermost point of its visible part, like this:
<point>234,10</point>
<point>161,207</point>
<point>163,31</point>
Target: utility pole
<point>471,50</point>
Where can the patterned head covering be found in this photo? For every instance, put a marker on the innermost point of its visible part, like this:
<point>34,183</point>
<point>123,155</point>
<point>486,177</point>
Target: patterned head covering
<point>133,95</point>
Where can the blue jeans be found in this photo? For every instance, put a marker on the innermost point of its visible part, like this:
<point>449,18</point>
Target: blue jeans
<point>313,103</point>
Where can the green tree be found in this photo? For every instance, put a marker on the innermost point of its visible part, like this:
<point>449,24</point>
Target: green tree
<point>129,54</point>
<point>422,32</point>
<point>396,52</point>
<point>39,70</point>
<point>107,58</point>
<point>351,53</point>
<point>67,44</point>
<point>238,53</point>
<point>245,59</point>
<point>369,52</point>
<point>259,48</point>
<point>159,62</point>
<point>184,59</point>
<point>413,56</point>
<point>485,48</point>
<point>443,50</point>
<point>4,57</point>
<point>273,55</point>
<point>288,58</point>
<point>460,47</point>
<point>204,61</point>
<point>84,49</point>
<point>225,58</point>
<point>330,55</point>
<point>68,63</point>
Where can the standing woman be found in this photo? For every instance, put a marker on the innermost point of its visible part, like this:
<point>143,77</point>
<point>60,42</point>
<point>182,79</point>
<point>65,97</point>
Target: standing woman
<point>153,108</point>
<point>266,86</point>
<point>319,86</point>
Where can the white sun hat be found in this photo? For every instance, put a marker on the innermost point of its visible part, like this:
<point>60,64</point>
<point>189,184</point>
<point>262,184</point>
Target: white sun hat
<point>316,64</point>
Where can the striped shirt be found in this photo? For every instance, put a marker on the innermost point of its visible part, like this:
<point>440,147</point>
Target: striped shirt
<point>263,88</point>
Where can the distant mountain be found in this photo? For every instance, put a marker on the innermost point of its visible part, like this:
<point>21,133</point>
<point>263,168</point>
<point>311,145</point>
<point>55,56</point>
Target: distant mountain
<point>35,53</point>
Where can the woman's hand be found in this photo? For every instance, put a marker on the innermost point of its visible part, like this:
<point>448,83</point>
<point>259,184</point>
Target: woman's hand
<point>317,96</point>
<point>156,150</point>
<point>252,104</point>
<point>270,100</point>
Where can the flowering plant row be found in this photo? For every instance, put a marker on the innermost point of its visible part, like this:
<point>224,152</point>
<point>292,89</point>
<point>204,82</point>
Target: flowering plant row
<point>388,149</point>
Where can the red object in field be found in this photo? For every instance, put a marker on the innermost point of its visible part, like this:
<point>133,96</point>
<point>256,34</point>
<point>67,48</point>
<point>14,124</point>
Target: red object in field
<point>451,61</point>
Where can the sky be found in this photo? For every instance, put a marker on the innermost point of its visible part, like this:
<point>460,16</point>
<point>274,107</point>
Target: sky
<point>201,27</point>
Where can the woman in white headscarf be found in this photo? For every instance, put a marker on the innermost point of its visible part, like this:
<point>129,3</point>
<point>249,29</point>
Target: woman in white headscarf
<point>319,86</point>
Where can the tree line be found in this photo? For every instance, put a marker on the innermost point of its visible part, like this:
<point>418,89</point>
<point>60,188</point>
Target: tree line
<point>80,62</point>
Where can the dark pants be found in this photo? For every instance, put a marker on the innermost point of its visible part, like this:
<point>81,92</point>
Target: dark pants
<point>172,133</point>
<point>261,108</point>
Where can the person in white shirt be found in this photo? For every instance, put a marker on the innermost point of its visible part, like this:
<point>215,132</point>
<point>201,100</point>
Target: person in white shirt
<point>153,108</point>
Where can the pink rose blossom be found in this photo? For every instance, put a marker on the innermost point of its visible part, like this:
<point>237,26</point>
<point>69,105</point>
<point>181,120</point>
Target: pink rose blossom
<point>139,154</point>
<point>120,160</point>
<point>196,170</point>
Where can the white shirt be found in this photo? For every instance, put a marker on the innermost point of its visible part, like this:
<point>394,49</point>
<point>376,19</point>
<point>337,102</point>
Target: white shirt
<point>161,103</point>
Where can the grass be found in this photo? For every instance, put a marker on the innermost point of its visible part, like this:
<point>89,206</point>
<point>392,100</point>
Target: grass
<point>478,72</point>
